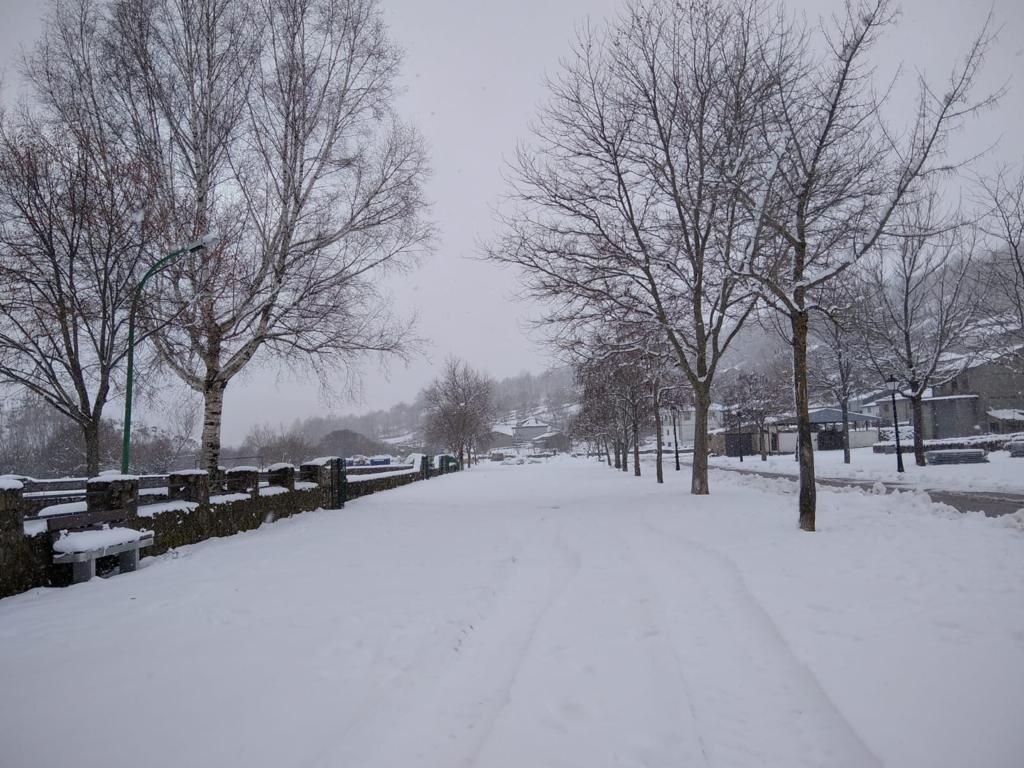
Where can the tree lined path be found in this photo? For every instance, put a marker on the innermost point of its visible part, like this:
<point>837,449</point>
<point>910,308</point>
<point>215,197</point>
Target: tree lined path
<point>555,614</point>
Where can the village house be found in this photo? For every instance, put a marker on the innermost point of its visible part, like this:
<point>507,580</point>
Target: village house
<point>982,399</point>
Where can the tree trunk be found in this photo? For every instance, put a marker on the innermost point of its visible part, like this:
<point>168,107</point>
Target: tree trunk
<point>91,438</point>
<point>636,445</point>
<point>625,454</point>
<point>844,406</point>
<point>805,446</point>
<point>618,459</point>
<point>658,451</point>
<point>763,437</point>
<point>699,478</point>
<point>915,404</point>
<point>213,408</point>
<point>607,453</point>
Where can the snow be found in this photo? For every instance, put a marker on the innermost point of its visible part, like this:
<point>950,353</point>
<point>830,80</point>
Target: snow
<point>272,490</point>
<point>408,437</point>
<point>321,461</point>
<point>148,510</point>
<point>379,475</point>
<point>243,469</point>
<point>33,526</point>
<point>82,541</point>
<point>10,483</point>
<point>1006,414</point>
<point>106,477</point>
<point>280,465</point>
<point>227,498</point>
<point>305,485</point>
<point>189,472</point>
<point>554,614</point>
<point>1001,473</point>
<point>68,508</point>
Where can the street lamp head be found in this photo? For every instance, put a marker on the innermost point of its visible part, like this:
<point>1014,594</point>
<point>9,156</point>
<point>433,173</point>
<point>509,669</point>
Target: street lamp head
<point>893,383</point>
<point>207,240</point>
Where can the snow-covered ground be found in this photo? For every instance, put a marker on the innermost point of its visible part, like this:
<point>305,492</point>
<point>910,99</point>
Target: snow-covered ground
<point>555,614</point>
<point>1001,473</point>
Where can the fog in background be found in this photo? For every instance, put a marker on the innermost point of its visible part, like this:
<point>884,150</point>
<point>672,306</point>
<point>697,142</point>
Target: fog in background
<point>473,75</point>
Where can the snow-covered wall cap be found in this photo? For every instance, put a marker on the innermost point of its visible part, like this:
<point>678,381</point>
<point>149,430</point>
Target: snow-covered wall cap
<point>10,483</point>
<point>233,470</point>
<point>321,461</point>
<point>280,465</point>
<point>107,477</point>
<point>188,472</point>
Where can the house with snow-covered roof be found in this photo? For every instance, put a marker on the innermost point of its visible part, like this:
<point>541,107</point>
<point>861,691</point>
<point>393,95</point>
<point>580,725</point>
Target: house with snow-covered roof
<point>527,430</point>
<point>985,398</point>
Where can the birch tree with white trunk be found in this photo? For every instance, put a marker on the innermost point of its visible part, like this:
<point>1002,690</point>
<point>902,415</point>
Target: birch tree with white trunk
<point>271,122</point>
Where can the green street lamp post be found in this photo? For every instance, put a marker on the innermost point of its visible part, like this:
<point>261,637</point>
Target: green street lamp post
<point>163,263</point>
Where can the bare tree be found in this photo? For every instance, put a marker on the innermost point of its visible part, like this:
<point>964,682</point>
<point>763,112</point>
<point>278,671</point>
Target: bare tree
<point>1003,225</point>
<point>621,212</point>
<point>836,364</point>
<point>460,409</point>
<point>835,175</point>
<point>756,396</point>
<point>271,121</point>
<point>71,246</point>
<point>919,307</point>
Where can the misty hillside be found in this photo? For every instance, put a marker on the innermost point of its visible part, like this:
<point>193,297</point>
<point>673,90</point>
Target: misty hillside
<point>549,397</point>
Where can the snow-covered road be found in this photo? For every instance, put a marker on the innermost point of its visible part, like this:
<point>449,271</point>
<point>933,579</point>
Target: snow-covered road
<point>539,615</point>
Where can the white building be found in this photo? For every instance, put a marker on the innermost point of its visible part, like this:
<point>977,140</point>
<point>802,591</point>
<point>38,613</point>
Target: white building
<point>685,423</point>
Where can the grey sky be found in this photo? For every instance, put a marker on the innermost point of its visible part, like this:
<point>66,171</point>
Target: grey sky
<point>473,76</point>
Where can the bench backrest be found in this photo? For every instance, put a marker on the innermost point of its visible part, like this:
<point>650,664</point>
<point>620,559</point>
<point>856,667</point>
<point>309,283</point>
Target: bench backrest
<point>82,520</point>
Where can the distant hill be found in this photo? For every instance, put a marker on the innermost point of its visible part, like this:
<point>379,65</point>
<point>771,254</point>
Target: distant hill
<point>345,442</point>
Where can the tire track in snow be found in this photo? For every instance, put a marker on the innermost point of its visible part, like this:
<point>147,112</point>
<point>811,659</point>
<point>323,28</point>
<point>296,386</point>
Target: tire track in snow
<point>749,673</point>
<point>443,716</point>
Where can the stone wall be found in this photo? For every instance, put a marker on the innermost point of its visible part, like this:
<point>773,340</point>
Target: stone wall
<point>26,560</point>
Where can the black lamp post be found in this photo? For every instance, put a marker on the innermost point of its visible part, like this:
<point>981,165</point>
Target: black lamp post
<point>893,386</point>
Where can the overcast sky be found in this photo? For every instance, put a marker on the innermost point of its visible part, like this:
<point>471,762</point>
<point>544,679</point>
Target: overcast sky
<point>473,76</point>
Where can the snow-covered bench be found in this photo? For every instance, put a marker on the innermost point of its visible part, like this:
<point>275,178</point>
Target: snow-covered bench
<point>81,537</point>
<point>82,548</point>
<point>957,456</point>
